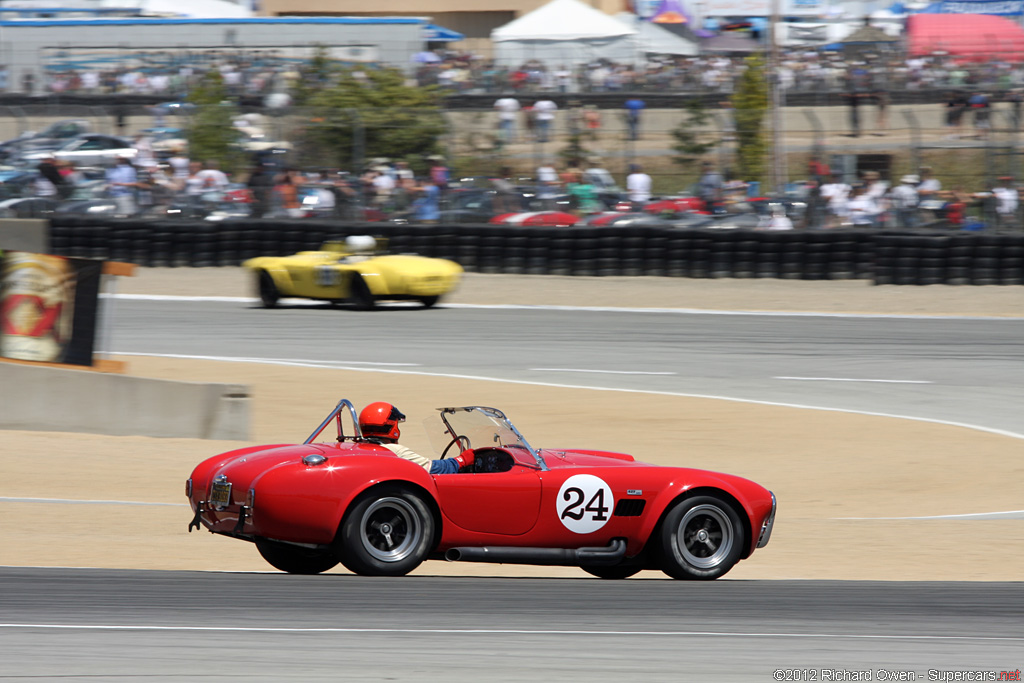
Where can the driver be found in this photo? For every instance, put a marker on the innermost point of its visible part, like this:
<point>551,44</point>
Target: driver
<point>379,422</point>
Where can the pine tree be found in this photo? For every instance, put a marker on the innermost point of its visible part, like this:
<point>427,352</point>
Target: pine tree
<point>750,105</point>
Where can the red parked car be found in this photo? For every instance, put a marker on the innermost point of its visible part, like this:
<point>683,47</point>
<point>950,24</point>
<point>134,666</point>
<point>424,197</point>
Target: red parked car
<point>308,507</point>
<point>545,218</point>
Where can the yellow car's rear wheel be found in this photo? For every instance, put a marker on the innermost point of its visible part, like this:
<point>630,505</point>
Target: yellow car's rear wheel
<point>269,295</point>
<point>360,295</point>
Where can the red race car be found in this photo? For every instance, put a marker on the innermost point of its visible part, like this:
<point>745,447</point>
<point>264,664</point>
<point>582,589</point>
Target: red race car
<point>308,507</point>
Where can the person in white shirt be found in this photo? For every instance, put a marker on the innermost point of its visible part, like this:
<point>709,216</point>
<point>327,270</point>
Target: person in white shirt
<point>904,200</point>
<point>179,163</point>
<point>211,178</point>
<point>547,179</point>
<point>1007,200</point>
<point>836,194</point>
<point>862,208</point>
<point>383,185</point>
<point>543,116</point>
<point>638,187</point>
<point>508,109</point>
<point>779,220</point>
<point>928,189</point>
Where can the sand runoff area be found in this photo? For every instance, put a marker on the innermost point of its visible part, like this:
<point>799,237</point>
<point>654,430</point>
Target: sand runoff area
<point>844,481</point>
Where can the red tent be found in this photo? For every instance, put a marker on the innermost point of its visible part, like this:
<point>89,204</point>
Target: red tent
<point>969,37</point>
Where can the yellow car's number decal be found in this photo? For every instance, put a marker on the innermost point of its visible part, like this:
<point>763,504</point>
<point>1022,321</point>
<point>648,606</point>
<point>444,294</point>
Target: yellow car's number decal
<point>325,276</point>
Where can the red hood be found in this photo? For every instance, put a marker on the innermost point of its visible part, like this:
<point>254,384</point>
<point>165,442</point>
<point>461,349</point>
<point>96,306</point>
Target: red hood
<point>556,457</point>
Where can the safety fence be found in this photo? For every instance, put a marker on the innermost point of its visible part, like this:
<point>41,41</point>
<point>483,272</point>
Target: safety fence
<point>905,258</point>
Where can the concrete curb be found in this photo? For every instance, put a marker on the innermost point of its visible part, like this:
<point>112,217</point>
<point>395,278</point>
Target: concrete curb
<point>57,399</point>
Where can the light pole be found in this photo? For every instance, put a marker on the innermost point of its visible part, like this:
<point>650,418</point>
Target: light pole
<point>778,134</point>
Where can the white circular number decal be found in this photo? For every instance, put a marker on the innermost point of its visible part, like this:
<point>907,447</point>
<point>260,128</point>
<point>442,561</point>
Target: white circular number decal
<point>584,503</point>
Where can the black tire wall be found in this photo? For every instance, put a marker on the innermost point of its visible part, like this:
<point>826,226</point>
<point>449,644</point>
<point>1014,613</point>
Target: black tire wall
<point>886,257</point>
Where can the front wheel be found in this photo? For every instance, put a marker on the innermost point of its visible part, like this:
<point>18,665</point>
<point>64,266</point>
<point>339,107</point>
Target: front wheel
<point>388,532</point>
<point>295,559</point>
<point>701,538</point>
<point>429,301</point>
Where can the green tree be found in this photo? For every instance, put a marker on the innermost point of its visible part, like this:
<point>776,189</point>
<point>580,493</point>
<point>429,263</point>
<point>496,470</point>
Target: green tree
<point>315,75</point>
<point>211,134</point>
<point>750,105</point>
<point>688,146</point>
<point>373,113</point>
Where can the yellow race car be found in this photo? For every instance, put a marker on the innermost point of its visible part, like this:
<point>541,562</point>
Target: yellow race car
<point>353,271</point>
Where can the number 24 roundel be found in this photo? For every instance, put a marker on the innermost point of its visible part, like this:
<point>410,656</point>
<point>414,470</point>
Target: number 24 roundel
<point>585,503</point>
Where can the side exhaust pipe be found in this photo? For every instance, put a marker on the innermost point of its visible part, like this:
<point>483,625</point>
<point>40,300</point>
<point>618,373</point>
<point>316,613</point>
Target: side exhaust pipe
<point>560,557</point>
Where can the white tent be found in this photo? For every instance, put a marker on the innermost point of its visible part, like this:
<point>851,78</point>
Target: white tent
<point>564,32</point>
<point>195,9</point>
<point>653,39</point>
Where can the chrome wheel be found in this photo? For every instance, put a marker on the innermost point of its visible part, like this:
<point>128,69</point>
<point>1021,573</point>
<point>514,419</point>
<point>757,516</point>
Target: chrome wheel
<point>705,536</point>
<point>701,538</point>
<point>390,529</point>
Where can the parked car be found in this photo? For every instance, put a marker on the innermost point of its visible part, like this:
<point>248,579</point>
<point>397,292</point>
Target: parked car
<point>28,207</point>
<point>548,218</point>
<point>50,138</point>
<point>309,506</point>
<point>92,149</point>
<point>355,272</point>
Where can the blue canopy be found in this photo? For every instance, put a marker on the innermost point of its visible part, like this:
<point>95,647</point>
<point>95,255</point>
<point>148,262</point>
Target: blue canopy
<point>439,34</point>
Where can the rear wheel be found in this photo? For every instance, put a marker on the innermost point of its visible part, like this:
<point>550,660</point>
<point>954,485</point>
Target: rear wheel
<point>295,559</point>
<point>388,532</point>
<point>428,301</point>
<point>360,294</point>
<point>269,295</point>
<point>701,538</point>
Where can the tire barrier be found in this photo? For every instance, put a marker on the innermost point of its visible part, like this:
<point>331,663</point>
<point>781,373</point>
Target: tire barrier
<point>898,258</point>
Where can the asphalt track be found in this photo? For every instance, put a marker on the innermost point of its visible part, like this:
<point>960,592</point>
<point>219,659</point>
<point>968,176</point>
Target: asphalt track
<point>109,625</point>
<point>957,370</point>
<point>101,625</point>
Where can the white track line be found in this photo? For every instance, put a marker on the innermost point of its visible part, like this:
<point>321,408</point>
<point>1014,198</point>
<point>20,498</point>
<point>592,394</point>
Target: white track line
<point>336,364</point>
<point>511,632</point>
<point>854,379</point>
<point>422,373</point>
<point>1008,514</point>
<point>70,501</point>
<point>603,309</point>
<point>602,372</point>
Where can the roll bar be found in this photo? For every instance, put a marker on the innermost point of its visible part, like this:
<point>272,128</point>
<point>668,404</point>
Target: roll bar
<point>336,413</point>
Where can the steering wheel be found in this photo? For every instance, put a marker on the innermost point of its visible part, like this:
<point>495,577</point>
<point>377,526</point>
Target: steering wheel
<point>462,441</point>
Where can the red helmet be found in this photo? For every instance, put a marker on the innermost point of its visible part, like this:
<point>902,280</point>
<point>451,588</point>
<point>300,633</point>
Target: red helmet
<point>380,420</point>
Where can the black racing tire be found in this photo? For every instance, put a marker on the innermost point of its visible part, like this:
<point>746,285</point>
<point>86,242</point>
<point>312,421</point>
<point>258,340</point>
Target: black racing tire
<point>614,572</point>
<point>388,531</point>
<point>701,538</point>
<point>267,290</point>
<point>429,301</point>
<point>360,295</point>
<point>295,559</point>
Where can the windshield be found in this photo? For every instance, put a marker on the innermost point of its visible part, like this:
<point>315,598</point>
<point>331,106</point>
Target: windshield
<point>482,427</point>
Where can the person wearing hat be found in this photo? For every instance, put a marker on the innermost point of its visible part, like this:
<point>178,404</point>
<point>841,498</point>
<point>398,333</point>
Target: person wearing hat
<point>904,200</point>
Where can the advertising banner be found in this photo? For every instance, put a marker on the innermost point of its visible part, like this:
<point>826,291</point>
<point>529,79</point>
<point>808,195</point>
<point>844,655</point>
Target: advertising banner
<point>1000,8</point>
<point>48,307</point>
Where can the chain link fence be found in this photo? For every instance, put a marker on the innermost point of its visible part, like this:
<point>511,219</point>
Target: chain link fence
<point>971,153</point>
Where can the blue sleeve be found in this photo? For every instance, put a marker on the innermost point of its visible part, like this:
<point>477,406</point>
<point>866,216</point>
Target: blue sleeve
<point>447,466</point>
